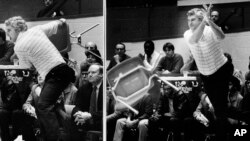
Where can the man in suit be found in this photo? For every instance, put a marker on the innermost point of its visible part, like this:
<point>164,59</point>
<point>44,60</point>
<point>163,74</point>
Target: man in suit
<point>87,114</point>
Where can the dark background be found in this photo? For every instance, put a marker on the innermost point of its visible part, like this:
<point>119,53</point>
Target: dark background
<point>28,9</point>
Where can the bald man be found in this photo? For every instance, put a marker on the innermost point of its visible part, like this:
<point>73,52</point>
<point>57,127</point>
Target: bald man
<point>87,114</point>
<point>91,46</point>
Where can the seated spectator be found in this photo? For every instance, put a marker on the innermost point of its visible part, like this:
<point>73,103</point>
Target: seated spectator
<point>190,67</point>
<point>11,113</point>
<point>92,58</point>
<point>90,46</point>
<point>69,94</point>
<point>234,97</point>
<point>245,104</point>
<point>246,85</point>
<point>139,121</point>
<point>82,77</point>
<point>31,102</point>
<point>63,108</point>
<point>151,57</point>
<point>6,49</point>
<point>29,107</point>
<point>215,17</point>
<point>52,8</point>
<point>112,115</point>
<point>120,55</point>
<point>92,55</point>
<point>237,73</point>
<point>87,114</point>
<point>202,122</point>
<point>172,62</point>
<point>172,109</point>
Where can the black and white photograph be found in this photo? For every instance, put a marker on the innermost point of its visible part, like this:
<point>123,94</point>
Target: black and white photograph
<point>177,70</point>
<point>51,70</point>
<point>124,70</point>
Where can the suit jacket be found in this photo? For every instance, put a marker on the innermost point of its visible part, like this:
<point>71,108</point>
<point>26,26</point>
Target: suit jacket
<point>6,50</point>
<point>83,97</point>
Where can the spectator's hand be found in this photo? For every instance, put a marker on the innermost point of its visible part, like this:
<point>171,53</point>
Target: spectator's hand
<point>201,118</point>
<point>117,58</point>
<point>169,114</point>
<point>81,117</point>
<point>145,57</point>
<point>131,123</point>
<point>166,72</point>
<point>155,117</point>
<point>63,20</point>
<point>79,121</point>
<point>141,56</point>
<point>31,111</point>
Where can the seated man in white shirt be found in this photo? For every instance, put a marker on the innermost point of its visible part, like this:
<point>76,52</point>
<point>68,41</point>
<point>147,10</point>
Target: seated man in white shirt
<point>151,57</point>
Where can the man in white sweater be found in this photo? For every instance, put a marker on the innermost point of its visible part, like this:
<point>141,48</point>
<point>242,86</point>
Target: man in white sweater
<point>34,50</point>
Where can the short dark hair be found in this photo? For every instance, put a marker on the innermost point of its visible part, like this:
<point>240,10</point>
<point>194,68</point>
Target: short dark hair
<point>150,44</point>
<point>2,34</point>
<point>235,82</point>
<point>96,52</point>
<point>168,45</point>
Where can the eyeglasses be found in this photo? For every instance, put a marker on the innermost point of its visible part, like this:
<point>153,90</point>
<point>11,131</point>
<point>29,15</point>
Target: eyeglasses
<point>214,16</point>
<point>84,73</point>
<point>167,50</point>
<point>90,48</point>
<point>120,49</point>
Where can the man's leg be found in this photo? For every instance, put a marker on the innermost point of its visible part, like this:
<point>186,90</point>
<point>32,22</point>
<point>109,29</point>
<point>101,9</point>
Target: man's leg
<point>143,130</point>
<point>52,89</point>
<point>23,123</point>
<point>217,86</point>
<point>119,129</point>
<point>4,124</point>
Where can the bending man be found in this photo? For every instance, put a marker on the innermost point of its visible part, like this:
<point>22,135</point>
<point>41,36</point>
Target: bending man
<point>34,50</point>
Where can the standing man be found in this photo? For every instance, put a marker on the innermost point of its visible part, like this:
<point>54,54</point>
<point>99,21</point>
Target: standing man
<point>34,50</point>
<point>6,49</point>
<point>120,55</point>
<point>203,39</point>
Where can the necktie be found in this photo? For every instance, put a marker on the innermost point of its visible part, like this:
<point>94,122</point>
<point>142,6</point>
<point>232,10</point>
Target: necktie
<point>93,103</point>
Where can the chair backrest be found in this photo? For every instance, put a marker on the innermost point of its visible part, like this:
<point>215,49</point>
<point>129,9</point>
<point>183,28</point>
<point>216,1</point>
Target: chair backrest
<point>123,68</point>
<point>62,39</point>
